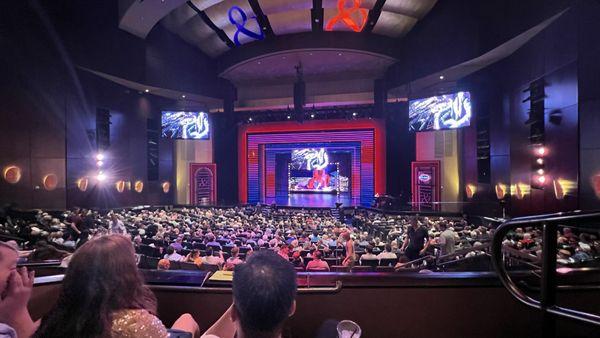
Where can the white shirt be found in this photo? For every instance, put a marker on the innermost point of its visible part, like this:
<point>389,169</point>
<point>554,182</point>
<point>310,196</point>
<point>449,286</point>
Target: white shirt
<point>387,255</point>
<point>117,228</point>
<point>174,257</point>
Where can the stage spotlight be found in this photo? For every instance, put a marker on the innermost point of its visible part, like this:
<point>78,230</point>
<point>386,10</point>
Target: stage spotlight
<point>183,96</point>
<point>312,116</point>
<point>541,151</point>
<point>249,119</point>
<point>99,164</point>
<point>541,179</point>
<point>441,77</point>
<point>540,171</point>
<point>540,161</point>
<point>146,90</point>
<point>355,114</point>
<point>100,157</point>
<point>101,177</point>
<point>289,117</point>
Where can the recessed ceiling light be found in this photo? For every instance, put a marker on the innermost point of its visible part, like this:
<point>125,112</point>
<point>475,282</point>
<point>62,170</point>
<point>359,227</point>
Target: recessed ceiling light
<point>183,96</point>
<point>339,54</point>
<point>441,77</point>
<point>147,90</point>
<point>289,117</point>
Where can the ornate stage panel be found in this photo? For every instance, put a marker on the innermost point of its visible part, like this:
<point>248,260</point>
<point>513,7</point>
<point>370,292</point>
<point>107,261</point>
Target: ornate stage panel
<point>203,183</point>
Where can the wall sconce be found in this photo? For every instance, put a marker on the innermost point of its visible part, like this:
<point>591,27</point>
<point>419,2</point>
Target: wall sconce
<point>12,174</point>
<point>521,190</point>
<point>500,191</point>
<point>559,191</point>
<point>138,186</point>
<point>82,184</point>
<point>120,186</point>
<point>470,190</point>
<point>166,186</point>
<point>50,182</point>
<point>596,185</point>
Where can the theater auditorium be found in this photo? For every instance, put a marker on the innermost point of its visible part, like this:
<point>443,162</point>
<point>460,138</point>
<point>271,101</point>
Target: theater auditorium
<point>299,168</point>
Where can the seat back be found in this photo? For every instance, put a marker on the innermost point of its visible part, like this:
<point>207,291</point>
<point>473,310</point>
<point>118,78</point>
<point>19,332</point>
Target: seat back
<point>369,262</point>
<point>388,261</point>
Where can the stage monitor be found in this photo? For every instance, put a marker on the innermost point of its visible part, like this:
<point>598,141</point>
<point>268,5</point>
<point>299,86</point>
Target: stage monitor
<point>310,171</point>
<point>185,125</point>
<point>450,111</point>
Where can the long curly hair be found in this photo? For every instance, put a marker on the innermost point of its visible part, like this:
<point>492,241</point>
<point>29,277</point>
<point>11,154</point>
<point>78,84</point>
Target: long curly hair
<point>102,278</point>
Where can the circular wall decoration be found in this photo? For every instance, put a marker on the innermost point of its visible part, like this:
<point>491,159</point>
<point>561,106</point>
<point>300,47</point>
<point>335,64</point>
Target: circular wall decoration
<point>12,174</point>
<point>120,185</point>
<point>139,186</point>
<point>82,184</point>
<point>50,182</point>
<point>166,186</point>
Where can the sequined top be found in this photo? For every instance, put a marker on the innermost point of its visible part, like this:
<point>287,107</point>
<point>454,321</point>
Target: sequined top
<point>137,323</point>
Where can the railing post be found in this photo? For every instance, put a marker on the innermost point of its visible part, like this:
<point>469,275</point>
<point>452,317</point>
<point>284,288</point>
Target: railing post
<point>548,282</point>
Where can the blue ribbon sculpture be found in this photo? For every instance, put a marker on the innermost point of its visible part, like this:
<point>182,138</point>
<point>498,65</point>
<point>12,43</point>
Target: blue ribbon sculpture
<point>240,26</point>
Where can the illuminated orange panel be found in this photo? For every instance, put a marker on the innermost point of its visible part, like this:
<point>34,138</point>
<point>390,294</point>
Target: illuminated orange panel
<point>120,185</point>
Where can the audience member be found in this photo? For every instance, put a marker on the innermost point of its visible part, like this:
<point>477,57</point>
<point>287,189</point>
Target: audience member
<point>316,264</point>
<point>103,295</point>
<point>15,291</point>
<point>264,293</point>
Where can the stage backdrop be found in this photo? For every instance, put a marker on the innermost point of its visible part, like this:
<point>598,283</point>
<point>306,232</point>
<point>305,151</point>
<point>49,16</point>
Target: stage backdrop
<point>257,168</point>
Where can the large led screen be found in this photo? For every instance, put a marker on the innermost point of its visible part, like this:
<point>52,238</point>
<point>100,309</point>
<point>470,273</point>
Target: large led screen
<point>311,171</point>
<point>185,125</point>
<point>449,111</point>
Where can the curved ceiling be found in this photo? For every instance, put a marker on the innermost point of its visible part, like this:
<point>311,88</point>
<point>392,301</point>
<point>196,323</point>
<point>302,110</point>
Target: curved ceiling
<point>214,25</point>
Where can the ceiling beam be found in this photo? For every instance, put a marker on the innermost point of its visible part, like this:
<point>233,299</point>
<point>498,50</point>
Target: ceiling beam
<point>374,14</point>
<point>222,35</point>
<point>262,19</point>
<point>317,15</point>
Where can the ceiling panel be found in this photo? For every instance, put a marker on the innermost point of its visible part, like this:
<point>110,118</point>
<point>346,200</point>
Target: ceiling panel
<point>414,8</point>
<point>291,22</point>
<point>277,6</point>
<point>394,25</point>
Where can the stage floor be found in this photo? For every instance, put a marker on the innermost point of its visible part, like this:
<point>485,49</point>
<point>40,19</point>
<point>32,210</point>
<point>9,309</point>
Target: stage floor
<point>313,200</point>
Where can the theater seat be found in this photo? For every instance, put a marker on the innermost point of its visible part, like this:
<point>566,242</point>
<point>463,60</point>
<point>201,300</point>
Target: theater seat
<point>388,261</point>
<point>369,262</point>
<point>340,268</point>
<point>299,269</point>
<point>384,269</point>
<point>209,267</point>
<point>188,266</point>
<point>362,269</point>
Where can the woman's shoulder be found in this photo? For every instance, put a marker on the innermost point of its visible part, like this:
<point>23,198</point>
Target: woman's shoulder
<point>137,323</point>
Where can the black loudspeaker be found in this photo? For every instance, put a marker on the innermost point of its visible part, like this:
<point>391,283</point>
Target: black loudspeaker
<point>102,129</point>
<point>153,137</point>
<point>380,96</point>
<point>483,148</point>
<point>299,100</point>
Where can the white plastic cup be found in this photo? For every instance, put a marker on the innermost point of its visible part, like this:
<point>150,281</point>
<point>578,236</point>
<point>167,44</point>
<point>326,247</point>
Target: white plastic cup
<point>348,329</point>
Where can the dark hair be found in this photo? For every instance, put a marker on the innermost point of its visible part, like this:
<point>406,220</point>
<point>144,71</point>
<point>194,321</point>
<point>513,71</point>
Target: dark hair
<point>369,249</point>
<point>170,250</point>
<point>317,254</point>
<point>388,247</point>
<point>264,290</point>
<point>102,278</point>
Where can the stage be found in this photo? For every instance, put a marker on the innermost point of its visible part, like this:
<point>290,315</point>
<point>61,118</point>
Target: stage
<point>313,200</point>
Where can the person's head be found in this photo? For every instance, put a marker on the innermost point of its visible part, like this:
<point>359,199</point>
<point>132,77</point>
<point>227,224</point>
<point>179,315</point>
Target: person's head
<point>264,293</point>
<point>195,253</point>
<point>369,249</point>
<point>164,264</point>
<point>8,264</point>
<point>345,235</point>
<point>317,255</point>
<point>414,222</point>
<point>388,248</point>
<point>170,250</point>
<point>235,251</point>
<point>102,278</point>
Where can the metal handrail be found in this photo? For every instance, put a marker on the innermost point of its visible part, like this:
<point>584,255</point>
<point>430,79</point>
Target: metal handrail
<point>547,302</point>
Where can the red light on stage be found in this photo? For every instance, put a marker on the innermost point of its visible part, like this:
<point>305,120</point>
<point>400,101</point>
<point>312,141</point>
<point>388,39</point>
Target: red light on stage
<point>541,179</point>
<point>345,15</point>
